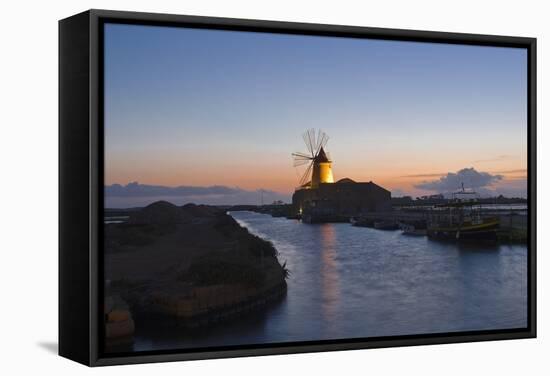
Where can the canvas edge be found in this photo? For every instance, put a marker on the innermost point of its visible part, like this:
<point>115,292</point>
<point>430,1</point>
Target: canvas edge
<point>95,16</point>
<point>74,187</point>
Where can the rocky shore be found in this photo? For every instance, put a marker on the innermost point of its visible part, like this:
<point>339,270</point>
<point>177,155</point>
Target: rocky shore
<point>193,264</point>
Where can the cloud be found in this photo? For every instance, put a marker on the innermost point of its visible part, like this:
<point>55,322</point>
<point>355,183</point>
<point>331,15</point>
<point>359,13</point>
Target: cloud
<point>452,181</point>
<point>136,194</point>
<point>439,174</point>
<point>135,189</point>
<point>512,188</point>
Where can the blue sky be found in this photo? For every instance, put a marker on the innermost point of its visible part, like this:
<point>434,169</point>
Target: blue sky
<point>204,107</point>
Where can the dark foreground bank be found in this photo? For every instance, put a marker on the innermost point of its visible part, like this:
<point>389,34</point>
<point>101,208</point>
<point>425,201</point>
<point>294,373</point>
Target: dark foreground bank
<point>190,266</point>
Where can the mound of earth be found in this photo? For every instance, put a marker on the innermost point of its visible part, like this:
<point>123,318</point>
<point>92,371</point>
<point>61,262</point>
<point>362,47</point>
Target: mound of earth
<point>200,211</point>
<point>160,213</point>
<point>189,261</point>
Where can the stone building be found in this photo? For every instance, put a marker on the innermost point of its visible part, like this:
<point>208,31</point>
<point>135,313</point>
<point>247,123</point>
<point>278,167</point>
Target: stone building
<point>340,200</point>
<point>320,199</point>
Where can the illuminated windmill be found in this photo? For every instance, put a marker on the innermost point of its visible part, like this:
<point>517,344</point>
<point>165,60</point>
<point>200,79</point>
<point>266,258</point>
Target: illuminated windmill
<point>319,169</point>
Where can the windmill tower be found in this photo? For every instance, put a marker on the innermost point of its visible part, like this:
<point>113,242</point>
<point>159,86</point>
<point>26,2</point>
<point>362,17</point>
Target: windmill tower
<point>319,168</point>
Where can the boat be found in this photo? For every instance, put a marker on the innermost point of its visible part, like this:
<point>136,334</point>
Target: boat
<point>386,225</point>
<point>362,222</point>
<point>416,228</point>
<point>462,220</point>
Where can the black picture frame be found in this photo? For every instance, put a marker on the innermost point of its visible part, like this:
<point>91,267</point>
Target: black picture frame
<point>81,182</point>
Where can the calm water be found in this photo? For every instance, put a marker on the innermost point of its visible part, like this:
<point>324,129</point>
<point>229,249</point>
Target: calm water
<point>351,282</point>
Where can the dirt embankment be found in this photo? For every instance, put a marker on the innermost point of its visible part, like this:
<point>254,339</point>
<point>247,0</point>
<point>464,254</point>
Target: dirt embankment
<point>191,262</point>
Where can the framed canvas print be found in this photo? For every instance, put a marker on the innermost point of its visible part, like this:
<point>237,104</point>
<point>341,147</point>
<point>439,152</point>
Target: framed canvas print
<point>239,187</point>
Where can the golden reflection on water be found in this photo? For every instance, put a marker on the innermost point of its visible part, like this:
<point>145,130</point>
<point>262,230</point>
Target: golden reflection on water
<point>329,271</point>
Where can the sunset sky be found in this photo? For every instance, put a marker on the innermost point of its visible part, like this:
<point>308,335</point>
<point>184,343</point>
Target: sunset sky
<point>188,107</point>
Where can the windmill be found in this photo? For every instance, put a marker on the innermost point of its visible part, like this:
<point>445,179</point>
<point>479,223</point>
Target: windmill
<point>319,166</point>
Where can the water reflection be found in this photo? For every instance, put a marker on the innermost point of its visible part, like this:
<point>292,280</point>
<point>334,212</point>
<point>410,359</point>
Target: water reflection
<point>330,284</point>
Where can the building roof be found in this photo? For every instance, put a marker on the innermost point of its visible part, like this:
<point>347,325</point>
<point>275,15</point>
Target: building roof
<point>345,180</point>
<point>322,156</point>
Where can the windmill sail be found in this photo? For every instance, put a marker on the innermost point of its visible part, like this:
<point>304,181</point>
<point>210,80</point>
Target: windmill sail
<point>318,163</point>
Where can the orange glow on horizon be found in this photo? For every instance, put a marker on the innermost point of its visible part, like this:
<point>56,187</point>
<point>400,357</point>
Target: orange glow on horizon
<point>274,171</point>
<point>281,181</point>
